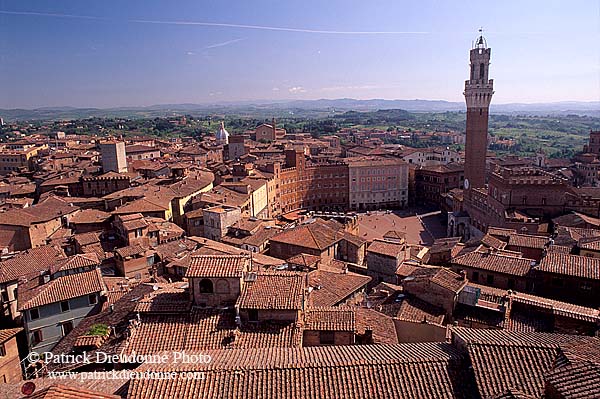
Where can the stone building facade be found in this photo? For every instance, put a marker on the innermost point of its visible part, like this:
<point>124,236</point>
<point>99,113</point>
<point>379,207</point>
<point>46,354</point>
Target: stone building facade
<point>217,220</point>
<point>113,156</point>
<point>312,186</point>
<point>10,365</point>
<point>376,183</point>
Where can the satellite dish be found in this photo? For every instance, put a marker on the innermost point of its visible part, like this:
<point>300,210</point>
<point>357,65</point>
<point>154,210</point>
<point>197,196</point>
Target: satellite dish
<point>467,184</point>
<point>155,287</point>
<point>28,388</point>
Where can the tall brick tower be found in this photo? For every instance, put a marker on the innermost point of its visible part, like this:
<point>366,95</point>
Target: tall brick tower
<point>478,94</point>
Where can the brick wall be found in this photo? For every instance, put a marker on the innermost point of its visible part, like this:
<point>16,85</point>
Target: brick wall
<point>431,293</point>
<point>382,268</point>
<point>133,267</point>
<point>225,292</point>
<point>10,366</point>
<point>313,338</point>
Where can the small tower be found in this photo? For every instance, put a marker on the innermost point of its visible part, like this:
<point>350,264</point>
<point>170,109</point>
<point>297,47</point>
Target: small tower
<point>540,158</point>
<point>222,135</point>
<point>478,95</point>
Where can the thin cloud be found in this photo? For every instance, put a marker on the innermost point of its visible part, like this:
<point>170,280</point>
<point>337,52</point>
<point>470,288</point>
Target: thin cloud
<point>362,87</point>
<point>217,24</point>
<point>228,42</point>
<point>297,89</point>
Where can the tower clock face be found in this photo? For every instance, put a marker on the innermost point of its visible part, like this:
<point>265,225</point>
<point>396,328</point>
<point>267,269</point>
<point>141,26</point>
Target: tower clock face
<point>467,184</point>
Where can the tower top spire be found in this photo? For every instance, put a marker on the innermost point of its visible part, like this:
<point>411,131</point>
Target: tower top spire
<point>480,43</point>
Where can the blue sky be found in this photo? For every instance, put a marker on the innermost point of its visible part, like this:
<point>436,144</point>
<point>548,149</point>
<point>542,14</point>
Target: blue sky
<point>122,53</point>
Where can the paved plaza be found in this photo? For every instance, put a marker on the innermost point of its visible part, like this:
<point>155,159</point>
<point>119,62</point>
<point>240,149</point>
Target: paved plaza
<point>420,226</point>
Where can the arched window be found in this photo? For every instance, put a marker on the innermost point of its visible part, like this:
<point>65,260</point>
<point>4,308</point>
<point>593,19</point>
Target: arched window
<point>206,286</point>
<point>481,70</point>
<point>472,72</point>
<point>222,287</point>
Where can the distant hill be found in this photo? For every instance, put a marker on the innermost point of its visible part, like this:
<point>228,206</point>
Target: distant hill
<point>299,108</point>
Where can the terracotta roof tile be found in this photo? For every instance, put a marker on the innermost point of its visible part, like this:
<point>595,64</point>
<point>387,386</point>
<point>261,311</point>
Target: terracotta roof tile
<point>502,360</point>
<point>527,241</point>
<point>50,208</point>
<point>416,371</point>
<point>576,381</point>
<point>305,261</point>
<point>382,327</point>
<point>167,300</point>
<point>560,249</point>
<point>282,290</point>
<point>444,244</point>
<point>558,308</point>
<point>406,269</point>
<point>217,266</point>
<point>395,235</point>
<point>512,394</point>
<point>62,288</point>
<point>330,319</point>
<point>8,333</point>
<point>571,265</point>
<point>386,248</point>
<point>446,278</point>
<point>494,262</point>
<point>87,238</point>
<point>205,329</point>
<point>60,391</point>
<point>30,262</point>
<point>317,235</point>
<point>130,250</point>
<point>415,310</point>
<point>501,232</point>
<point>590,243</point>
<point>90,216</point>
<point>491,241</point>
<point>87,341</point>
<point>330,288</point>
<point>77,261</point>
<point>148,204</point>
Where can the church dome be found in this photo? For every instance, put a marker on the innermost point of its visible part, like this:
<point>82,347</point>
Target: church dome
<point>222,134</point>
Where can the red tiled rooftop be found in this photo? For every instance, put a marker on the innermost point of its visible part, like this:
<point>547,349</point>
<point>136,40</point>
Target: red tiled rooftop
<point>317,235</point>
<point>283,291</point>
<point>417,371</point>
<point>330,319</point>
<point>8,333</point>
<point>30,262</point>
<point>571,265</point>
<point>494,262</point>
<point>206,329</point>
<point>61,289</point>
<point>385,248</point>
<point>217,266</point>
<point>63,391</point>
<point>527,241</point>
<point>330,288</point>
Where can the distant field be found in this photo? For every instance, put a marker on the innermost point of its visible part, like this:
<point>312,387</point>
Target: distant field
<point>558,135</point>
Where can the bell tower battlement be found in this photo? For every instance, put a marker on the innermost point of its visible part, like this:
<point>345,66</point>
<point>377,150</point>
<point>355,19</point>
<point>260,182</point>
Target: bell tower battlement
<point>479,88</point>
